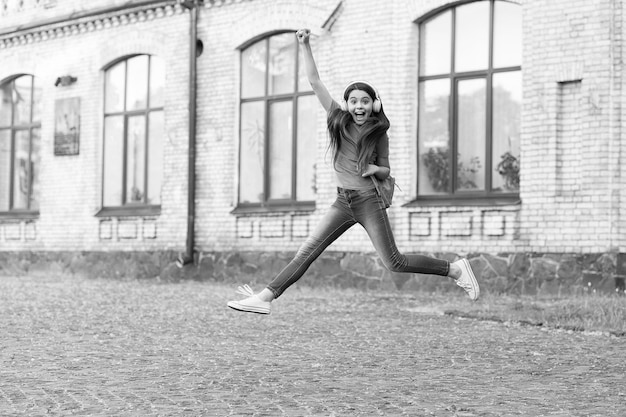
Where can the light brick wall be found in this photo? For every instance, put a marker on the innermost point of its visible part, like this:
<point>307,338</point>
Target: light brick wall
<point>572,180</point>
<point>383,51</point>
<point>71,186</point>
<point>223,31</point>
<point>572,135</point>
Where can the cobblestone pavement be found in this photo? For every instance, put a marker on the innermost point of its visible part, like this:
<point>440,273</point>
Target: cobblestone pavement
<point>75,346</point>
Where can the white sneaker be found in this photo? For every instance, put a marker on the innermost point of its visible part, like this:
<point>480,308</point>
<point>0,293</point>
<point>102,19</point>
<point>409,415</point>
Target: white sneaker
<point>467,281</point>
<point>252,304</point>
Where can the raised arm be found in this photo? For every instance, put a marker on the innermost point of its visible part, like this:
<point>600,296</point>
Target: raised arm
<point>312,74</point>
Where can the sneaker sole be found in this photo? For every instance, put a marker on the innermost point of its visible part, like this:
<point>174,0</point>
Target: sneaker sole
<point>475,286</point>
<point>248,309</point>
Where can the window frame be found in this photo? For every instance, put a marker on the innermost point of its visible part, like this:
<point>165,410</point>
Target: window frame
<point>272,205</point>
<point>486,196</point>
<point>12,128</point>
<point>129,209</point>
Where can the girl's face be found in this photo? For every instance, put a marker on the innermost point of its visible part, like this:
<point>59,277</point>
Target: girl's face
<point>360,106</point>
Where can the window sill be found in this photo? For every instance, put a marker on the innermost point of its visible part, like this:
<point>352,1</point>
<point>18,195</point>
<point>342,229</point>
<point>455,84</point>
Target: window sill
<point>274,208</point>
<point>19,215</point>
<point>478,201</point>
<point>129,211</point>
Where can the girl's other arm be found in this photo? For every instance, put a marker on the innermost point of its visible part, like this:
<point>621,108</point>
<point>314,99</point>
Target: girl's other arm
<point>380,171</point>
<point>312,74</point>
<point>382,168</point>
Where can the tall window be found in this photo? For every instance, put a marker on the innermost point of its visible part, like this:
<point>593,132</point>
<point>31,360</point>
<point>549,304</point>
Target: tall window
<point>133,133</point>
<point>20,141</point>
<point>278,125</point>
<point>470,90</point>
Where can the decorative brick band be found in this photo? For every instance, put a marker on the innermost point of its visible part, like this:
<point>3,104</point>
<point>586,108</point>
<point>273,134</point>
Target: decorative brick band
<point>75,26</point>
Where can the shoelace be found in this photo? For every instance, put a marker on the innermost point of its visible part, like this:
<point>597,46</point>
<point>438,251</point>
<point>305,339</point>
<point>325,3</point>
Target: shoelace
<point>245,290</point>
<point>466,285</point>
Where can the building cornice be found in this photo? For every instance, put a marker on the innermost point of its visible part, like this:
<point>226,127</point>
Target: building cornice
<point>95,20</point>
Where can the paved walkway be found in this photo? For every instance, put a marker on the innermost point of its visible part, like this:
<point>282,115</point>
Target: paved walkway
<point>72,346</point>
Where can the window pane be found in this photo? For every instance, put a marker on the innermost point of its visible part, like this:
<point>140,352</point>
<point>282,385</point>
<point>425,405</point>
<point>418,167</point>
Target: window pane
<point>252,163</point>
<point>5,168</point>
<point>137,87</point>
<point>253,67</point>
<point>436,44</point>
<point>157,81</point>
<point>471,136</point>
<point>155,157</point>
<point>507,37</point>
<point>281,150</point>
<point>507,104</point>
<point>282,63</point>
<point>303,81</point>
<point>22,99</point>
<point>35,164</point>
<point>434,137</point>
<point>113,159</point>
<point>136,160</point>
<point>306,148</point>
<point>114,88</point>
<point>36,101</point>
<point>472,37</point>
<point>6,105</point>
<point>22,170</point>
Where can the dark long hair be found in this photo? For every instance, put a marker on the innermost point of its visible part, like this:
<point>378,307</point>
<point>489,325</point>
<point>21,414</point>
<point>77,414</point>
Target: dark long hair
<point>373,129</point>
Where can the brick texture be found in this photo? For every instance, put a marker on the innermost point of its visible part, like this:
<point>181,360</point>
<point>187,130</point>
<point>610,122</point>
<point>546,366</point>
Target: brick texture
<point>572,181</point>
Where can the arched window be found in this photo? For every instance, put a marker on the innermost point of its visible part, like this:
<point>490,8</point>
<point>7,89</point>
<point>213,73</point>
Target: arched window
<point>278,125</point>
<point>133,133</point>
<point>470,89</point>
<point>20,141</point>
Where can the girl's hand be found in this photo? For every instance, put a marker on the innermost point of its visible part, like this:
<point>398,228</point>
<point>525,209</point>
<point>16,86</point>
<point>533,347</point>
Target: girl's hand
<point>303,36</point>
<point>371,170</point>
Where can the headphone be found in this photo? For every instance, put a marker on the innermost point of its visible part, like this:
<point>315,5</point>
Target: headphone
<point>376,105</point>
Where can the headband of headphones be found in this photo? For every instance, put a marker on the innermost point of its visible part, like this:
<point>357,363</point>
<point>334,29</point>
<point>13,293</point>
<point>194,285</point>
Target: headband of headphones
<point>377,105</point>
<point>345,90</point>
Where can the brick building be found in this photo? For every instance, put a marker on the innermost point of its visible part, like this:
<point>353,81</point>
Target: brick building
<point>506,137</point>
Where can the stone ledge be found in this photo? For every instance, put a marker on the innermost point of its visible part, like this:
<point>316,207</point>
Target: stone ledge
<point>518,273</point>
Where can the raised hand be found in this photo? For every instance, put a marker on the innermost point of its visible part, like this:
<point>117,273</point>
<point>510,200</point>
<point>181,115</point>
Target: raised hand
<point>303,35</point>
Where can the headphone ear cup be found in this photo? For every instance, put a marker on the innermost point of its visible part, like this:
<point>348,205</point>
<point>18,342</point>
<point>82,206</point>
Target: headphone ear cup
<point>344,105</point>
<point>376,105</point>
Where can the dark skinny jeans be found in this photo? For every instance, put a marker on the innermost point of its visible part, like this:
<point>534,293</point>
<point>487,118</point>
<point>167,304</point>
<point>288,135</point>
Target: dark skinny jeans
<point>366,208</point>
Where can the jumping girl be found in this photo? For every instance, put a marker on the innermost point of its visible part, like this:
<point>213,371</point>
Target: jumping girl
<point>357,129</point>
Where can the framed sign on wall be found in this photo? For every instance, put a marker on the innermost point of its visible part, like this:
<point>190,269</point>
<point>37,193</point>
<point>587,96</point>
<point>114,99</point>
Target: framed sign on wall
<point>67,126</point>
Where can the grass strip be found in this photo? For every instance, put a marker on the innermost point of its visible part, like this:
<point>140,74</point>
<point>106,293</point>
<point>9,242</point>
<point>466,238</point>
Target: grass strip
<point>592,312</point>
